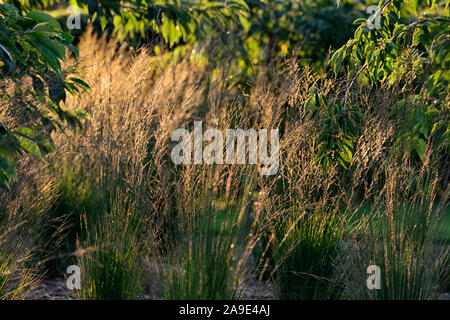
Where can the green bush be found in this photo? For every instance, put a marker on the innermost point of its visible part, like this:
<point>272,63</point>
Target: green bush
<point>32,47</point>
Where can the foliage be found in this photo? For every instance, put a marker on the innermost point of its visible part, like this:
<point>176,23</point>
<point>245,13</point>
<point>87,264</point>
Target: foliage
<point>414,54</point>
<point>305,29</point>
<point>339,130</point>
<point>177,21</point>
<point>421,123</point>
<point>191,229</point>
<point>34,45</point>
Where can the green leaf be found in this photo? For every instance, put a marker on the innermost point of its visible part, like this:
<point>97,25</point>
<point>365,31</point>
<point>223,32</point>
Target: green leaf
<point>43,17</point>
<point>419,147</point>
<point>82,84</point>
<point>29,146</point>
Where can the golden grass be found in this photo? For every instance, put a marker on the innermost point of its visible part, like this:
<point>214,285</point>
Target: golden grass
<point>124,150</point>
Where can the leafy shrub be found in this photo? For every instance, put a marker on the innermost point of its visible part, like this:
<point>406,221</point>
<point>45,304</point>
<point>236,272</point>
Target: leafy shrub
<point>32,46</point>
<point>411,55</point>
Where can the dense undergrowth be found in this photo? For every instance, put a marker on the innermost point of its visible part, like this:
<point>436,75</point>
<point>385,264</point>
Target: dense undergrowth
<point>110,199</point>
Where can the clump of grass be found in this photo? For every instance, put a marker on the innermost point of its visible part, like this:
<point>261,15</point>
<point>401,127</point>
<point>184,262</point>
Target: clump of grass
<point>201,267</point>
<point>22,218</point>
<point>401,235</point>
<point>208,260</point>
<point>18,261</point>
<point>17,274</point>
<point>304,249</point>
<point>112,262</point>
